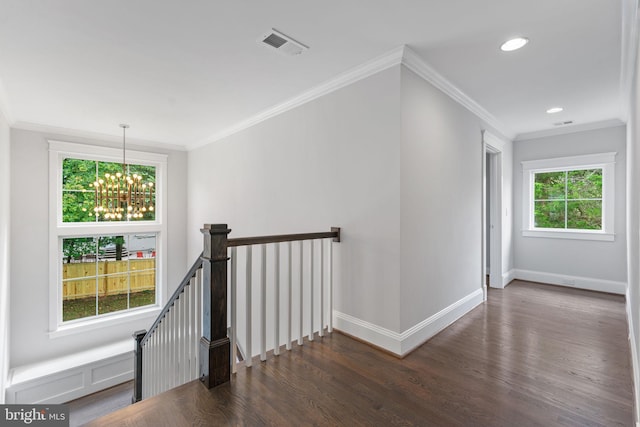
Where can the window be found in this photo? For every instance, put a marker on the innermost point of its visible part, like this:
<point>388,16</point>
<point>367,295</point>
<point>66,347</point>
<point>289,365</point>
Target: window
<point>569,197</point>
<point>79,193</point>
<point>107,274</point>
<point>104,268</point>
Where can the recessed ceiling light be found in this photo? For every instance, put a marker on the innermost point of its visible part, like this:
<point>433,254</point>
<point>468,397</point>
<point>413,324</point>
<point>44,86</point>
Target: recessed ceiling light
<point>514,44</point>
<point>554,110</point>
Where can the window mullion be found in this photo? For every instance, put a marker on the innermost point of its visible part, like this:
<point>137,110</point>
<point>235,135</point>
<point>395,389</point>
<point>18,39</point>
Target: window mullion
<point>566,197</point>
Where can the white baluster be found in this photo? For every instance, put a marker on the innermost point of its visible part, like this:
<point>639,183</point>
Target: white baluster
<point>154,367</point>
<point>185,336</point>
<point>330,297</point>
<point>321,330</point>
<point>234,310</point>
<point>158,364</point>
<point>179,344</point>
<point>263,303</point>
<point>300,281</point>
<point>164,356</point>
<point>276,317</point>
<point>150,371</point>
<point>189,329</point>
<point>193,350</point>
<point>198,322</point>
<point>172,347</point>
<point>145,366</point>
<point>168,371</point>
<point>248,350</point>
<point>289,298</point>
<point>311,291</point>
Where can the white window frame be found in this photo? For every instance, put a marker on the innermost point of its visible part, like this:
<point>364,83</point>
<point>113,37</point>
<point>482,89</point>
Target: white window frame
<point>604,161</point>
<point>58,230</point>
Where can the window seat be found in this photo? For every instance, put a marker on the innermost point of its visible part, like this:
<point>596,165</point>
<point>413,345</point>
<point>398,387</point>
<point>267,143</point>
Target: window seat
<point>69,377</point>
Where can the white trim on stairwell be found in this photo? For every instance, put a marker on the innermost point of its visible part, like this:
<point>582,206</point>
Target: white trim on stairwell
<point>70,377</point>
<point>403,343</point>
<point>578,282</point>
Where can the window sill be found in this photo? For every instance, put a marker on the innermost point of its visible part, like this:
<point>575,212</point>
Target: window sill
<point>570,234</point>
<point>104,322</point>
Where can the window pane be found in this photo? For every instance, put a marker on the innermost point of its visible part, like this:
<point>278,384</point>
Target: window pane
<point>549,214</point>
<point>549,185</point>
<point>584,184</point>
<point>113,290</point>
<point>76,304</point>
<point>78,192</point>
<point>147,193</point>
<point>143,288</point>
<point>78,174</point>
<point>79,269</point>
<point>112,248</point>
<point>122,201</point>
<point>107,274</point>
<point>584,214</point>
<point>79,249</point>
<point>143,269</point>
<point>77,206</point>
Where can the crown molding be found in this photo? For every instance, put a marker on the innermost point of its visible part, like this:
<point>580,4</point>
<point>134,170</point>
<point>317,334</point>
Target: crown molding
<point>416,64</point>
<point>83,134</point>
<point>629,53</point>
<point>376,65</point>
<point>563,130</point>
<point>400,55</point>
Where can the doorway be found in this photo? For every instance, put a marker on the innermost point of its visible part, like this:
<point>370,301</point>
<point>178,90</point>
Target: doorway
<point>491,212</point>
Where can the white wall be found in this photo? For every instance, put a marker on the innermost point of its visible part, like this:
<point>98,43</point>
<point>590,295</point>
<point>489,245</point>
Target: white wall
<point>508,212</point>
<point>441,206</point>
<point>331,162</point>
<point>30,280</point>
<point>379,158</point>
<point>633,227</point>
<point>597,261</point>
<point>5,168</point>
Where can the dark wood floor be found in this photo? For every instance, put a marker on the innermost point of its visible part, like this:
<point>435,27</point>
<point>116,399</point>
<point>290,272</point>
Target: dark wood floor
<point>88,408</point>
<point>533,355</point>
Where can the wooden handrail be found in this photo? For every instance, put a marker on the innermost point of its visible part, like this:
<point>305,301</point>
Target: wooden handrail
<point>190,274</point>
<point>259,240</point>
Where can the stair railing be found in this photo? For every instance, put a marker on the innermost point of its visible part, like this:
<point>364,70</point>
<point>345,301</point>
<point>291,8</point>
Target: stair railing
<point>190,338</point>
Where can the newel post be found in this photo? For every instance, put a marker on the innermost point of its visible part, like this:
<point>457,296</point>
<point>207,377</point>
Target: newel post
<point>137,367</point>
<point>215,347</point>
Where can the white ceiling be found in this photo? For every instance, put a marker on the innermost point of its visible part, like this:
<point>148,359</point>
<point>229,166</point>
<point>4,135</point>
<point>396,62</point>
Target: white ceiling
<point>182,72</point>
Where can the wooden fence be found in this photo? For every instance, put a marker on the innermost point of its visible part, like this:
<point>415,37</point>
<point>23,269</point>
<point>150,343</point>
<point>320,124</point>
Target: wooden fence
<point>80,279</point>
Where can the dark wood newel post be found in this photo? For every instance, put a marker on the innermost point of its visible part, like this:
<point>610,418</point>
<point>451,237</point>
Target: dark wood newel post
<point>137,367</point>
<point>215,347</point>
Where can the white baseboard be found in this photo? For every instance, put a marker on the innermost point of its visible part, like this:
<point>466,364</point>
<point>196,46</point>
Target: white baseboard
<point>635,369</point>
<point>64,379</point>
<point>508,277</point>
<point>588,283</point>
<point>403,343</point>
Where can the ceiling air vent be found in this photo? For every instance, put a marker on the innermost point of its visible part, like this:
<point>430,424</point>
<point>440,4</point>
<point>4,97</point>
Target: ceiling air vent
<point>568,122</point>
<point>282,43</point>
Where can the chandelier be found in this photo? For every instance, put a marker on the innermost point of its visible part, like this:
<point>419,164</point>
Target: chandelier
<point>121,195</point>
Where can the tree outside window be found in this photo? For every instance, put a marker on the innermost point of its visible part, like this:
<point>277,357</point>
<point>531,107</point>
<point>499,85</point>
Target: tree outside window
<point>569,199</point>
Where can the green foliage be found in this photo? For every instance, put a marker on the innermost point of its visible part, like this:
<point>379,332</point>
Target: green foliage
<point>568,199</point>
<point>549,214</point>
<point>550,186</point>
<point>75,248</point>
<point>78,192</point>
